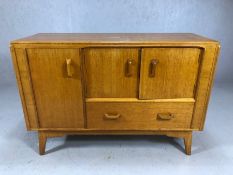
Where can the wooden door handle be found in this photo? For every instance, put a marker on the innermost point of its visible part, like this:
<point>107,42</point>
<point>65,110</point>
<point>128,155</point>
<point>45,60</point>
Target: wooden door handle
<point>69,68</point>
<point>112,116</point>
<point>165,116</point>
<point>129,67</point>
<point>152,67</point>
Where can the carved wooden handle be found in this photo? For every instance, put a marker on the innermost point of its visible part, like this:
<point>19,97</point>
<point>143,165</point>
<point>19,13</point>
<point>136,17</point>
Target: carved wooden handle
<point>129,67</point>
<point>152,67</point>
<point>69,67</point>
<point>165,116</point>
<point>112,116</point>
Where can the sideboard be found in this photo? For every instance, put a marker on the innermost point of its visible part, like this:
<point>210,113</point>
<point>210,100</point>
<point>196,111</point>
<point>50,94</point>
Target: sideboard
<point>118,83</point>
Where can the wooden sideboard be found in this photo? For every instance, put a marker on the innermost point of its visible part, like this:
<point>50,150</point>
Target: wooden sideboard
<point>117,83</point>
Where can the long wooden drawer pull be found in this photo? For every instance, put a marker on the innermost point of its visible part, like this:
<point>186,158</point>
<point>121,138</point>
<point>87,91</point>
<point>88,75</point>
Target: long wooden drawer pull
<point>152,67</point>
<point>129,67</point>
<point>165,116</point>
<point>69,68</point>
<point>112,116</point>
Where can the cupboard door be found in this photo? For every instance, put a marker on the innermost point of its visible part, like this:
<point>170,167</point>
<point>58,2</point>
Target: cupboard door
<point>168,72</point>
<point>56,81</point>
<point>111,72</point>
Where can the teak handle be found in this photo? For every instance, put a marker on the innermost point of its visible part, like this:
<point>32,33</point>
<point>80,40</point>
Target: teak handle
<point>129,67</point>
<point>112,116</point>
<point>165,116</point>
<point>152,67</point>
<point>69,67</point>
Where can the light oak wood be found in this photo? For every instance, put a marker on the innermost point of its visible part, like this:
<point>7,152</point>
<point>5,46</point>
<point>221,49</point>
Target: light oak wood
<point>102,38</point>
<point>107,72</point>
<point>204,85</point>
<point>138,115</point>
<point>136,100</point>
<point>115,84</point>
<point>69,68</point>
<point>174,67</point>
<point>27,89</point>
<point>42,142</point>
<point>188,143</point>
<point>176,134</point>
<point>58,96</point>
<point>20,87</point>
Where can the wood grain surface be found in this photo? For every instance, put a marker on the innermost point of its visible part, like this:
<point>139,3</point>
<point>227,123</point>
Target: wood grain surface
<point>105,70</point>
<point>175,73</point>
<point>138,115</point>
<point>111,38</point>
<point>58,97</point>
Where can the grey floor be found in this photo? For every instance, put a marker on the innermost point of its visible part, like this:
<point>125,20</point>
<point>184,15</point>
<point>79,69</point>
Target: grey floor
<point>212,149</point>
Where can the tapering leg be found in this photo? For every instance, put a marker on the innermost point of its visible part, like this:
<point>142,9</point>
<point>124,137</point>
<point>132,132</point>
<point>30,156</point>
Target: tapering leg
<point>42,142</point>
<point>188,143</point>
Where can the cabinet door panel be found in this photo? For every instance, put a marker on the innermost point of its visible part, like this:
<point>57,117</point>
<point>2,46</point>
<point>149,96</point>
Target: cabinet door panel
<point>168,72</point>
<point>111,72</point>
<point>58,96</point>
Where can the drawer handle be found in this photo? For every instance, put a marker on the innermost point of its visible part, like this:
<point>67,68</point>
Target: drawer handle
<point>69,68</point>
<point>165,116</point>
<point>152,67</point>
<point>112,116</point>
<point>129,67</point>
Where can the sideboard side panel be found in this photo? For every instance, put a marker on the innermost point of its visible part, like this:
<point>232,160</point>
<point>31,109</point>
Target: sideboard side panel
<point>26,91</point>
<point>204,85</point>
<point>15,64</point>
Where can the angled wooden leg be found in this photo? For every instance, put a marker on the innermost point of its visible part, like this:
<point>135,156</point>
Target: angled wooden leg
<point>42,142</point>
<point>186,135</point>
<point>188,143</point>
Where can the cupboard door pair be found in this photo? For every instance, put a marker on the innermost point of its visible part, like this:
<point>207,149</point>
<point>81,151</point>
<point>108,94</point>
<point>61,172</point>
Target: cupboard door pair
<point>56,82</point>
<point>153,73</point>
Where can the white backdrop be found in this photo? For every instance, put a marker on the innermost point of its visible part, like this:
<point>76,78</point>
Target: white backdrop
<point>212,18</point>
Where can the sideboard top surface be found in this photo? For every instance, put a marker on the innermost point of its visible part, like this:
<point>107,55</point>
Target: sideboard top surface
<point>133,38</point>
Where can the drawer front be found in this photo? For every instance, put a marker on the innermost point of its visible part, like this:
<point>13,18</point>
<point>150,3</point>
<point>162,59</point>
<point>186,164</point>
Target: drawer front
<point>168,72</point>
<point>111,72</point>
<point>139,115</point>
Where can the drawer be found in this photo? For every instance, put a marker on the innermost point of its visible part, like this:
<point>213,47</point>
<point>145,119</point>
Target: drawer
<point>139,115</point>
